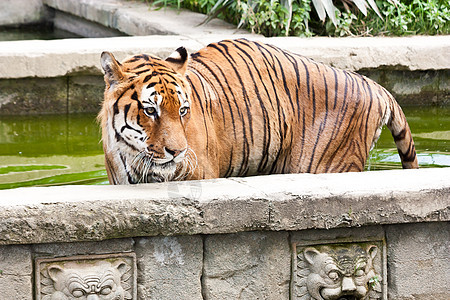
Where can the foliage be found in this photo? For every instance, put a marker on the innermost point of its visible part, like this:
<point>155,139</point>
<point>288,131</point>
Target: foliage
<point>398,18</point>
<point>309,17</point>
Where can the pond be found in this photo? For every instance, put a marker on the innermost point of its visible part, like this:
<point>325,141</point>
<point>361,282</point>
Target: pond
<point>35,33</point>
<point>48,150</point>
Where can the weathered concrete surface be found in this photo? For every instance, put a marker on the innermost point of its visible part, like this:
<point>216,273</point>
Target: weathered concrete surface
<point>276,202</point>
<point>55,58</point>
<point>170,267</point>
<point>85,93</point>
<point>28,96</point>
<point>404,53</point>
<point>82,27</point>
<point>419,263</point>
<point>16,272</point>
<point>18,12</point>
<point>251,265</point>
<point>136,18</point>
<point>414,87</point>
<point>61,57</point>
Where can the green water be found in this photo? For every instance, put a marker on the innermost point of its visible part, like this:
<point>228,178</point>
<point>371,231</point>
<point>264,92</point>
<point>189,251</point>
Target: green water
<point>51,150</point>
<point>430,127</point>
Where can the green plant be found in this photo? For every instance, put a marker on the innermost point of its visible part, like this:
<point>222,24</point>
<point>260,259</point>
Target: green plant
<point>266,17</point>
<point>326,17</point>
<point>374,281</point>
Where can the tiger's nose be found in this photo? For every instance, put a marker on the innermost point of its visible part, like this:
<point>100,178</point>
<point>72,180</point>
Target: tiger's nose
<point>174,153</point>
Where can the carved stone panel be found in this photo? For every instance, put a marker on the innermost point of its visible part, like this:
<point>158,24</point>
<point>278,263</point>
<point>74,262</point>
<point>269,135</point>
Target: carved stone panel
<point>88,277</point>
<point>346,271</point>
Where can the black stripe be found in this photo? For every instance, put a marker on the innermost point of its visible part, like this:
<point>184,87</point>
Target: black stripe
<point>321,128</point>
<point>281,114</point>
<point>141,65</point>
<point>400,136</point>
<point>127,126</point>
<point>266,135</point>
<point>221,85</point>
<point>232,63</point>
<point>135,96</point>
<point>339,129</point>
<point>408,156</point>
<point>203,111</point>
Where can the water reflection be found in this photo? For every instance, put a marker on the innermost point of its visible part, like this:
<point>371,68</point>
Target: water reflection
<point>50,150</point>
<point>57,149</point>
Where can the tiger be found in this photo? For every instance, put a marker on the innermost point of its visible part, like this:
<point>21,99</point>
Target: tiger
<point>240,108</point>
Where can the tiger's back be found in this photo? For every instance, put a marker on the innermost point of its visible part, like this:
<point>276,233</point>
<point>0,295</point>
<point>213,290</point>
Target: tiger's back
<point>285,113</point>
<point>257,109</point>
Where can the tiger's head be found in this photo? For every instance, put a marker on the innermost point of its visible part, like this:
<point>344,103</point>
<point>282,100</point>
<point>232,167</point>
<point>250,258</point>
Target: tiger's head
<point>145,112</point>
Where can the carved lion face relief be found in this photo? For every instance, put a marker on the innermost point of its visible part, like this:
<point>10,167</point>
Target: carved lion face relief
<point>83,281</point>
<point>341,273</point>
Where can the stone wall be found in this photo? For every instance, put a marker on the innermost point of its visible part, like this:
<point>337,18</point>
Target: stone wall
<point>20,12</point>
<point>246,265</point>
<point>379,235</point>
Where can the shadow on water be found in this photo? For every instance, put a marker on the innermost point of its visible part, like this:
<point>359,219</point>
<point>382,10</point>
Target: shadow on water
<point>51,150</point>
<point>37,32</point>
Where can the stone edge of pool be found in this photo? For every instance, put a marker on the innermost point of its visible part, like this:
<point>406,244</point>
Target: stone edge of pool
<point>263,203</point>
<point>161,32</point>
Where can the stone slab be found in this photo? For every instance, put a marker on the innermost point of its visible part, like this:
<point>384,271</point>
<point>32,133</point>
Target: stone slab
<point>170,267</point>
<point>61,57</point>
<point>83,27</point>
<point>419,261</point>
<point>250,265</point>
<point>56,58</point>
<point>16,272</point>
<point>275,202</point>
<point>83,248</point>
<point>18,12</point>
<point>138,18</point>
<point>414,87</point>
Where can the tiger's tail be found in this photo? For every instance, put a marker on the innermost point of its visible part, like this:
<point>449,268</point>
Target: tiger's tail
<point>397,124</point>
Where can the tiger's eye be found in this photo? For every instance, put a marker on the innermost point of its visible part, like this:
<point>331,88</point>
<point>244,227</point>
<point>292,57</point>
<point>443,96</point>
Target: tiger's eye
<point>183,110</point>
<point>149,111</point>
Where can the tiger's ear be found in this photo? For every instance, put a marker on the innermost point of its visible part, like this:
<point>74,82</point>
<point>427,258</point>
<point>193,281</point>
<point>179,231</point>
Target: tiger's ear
<point>112,68</point>
<point>178,60</point>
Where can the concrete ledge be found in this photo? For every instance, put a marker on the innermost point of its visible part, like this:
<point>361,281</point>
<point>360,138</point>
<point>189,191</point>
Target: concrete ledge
<point>62,57</point>
<point>136,18</point>
<point>276,202</point>
<point>167,29</point>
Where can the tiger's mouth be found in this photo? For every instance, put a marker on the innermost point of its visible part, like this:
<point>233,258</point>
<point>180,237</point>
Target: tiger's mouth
<point>147,168</point>
<point>161,172</point>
